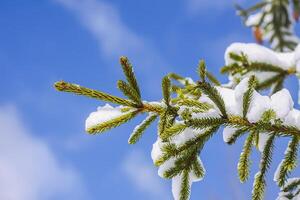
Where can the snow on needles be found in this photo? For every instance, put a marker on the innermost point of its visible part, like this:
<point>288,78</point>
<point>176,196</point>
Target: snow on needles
<point>103,114</point>
<point>176,182</point>
<point>280,103</point>
<point>261,54</point>
<point>258,53</point>
<point>286,195</point>
<point>265,19</point>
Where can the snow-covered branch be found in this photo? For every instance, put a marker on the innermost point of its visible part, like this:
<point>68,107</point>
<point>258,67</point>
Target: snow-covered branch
<point>191,112</point>
<point>273,21</point>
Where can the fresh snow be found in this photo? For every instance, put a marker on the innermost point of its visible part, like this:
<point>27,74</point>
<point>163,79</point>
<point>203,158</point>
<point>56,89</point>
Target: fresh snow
<point>142,123</point>
<point>240,89</point>
<point>239,92</point>
<point>297,58</point>
<point>253,20</point>
<point>193,176</point>
<point>177,182</point>
<point>185,136</point>
<point>170,163</point>
<point>204,98</point>
<point>282,103</point>
<point>103,114</point>
<point>258,106</point>
<point>282,195</point>
<point>176,186</point>
<point>187,80</point>
<point>156,152</point>
<point>277,172</point>
<point>258,53</point>
<point>293,118</point>
<point>256,19</point>
<point>227,133</point>
<point>262,140</point>
<point>210,113</point>
<point>228,95</point>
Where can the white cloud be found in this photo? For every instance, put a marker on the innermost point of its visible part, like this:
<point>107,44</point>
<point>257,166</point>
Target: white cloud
<point>28,168</point>
<point>104,22</point>
<point>144,176</point>
<point>115,38</point>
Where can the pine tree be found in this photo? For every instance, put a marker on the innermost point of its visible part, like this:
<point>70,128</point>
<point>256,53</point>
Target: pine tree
<point>191,112</point>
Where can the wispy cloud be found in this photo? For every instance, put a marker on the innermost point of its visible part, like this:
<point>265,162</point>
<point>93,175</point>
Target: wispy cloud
<point>104,22</point>
<point>115,38</point>
<point>143,176</point>
<point>29,170</point>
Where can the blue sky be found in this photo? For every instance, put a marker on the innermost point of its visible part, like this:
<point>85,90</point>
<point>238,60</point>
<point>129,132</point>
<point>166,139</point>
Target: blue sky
<point>45,153</point>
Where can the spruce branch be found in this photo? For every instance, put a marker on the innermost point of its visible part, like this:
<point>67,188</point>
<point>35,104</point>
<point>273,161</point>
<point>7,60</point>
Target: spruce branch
<point>243,67</point>
<point>79,90</point>
<point>99,128</point>
<point>186,124</point>
<point>173,130</point>
<point>273,18</point>
<point>140,129</point>
<point>203,106</point>
<point>166,120</point>
<point>185,186</point>
<point>238,133</point>
<point>278,85</point>
<point>277,129</point>
<point>232,69</point>
<point>166,88</point>
<point>291,189</point>
<point>243,12</point>
<point>169,150</point>
<point>202,70</point>
<point>291,185</point>
<point>241,123</point>
<point>199,142</point>
<point>205,122</point>
<point>128,71</point>
<point>247,98</point>
<point>244,162</point>
<point>277,79</point>
<point>239,57</point>
<point>214,95</point>
<point>268,115</point>
<point>175,77</point>
<point>149,107</point>
<point>265,67</point>
<point>186,155</point>
<point>203,73</point>
<point>265,162</point>
<point>289,162</point>
<point>212,79</point>
<point>129,92</point>
<point>198,169</point>
<point>182,163</point>
<point>194,145</point>
<point>181,115</point>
